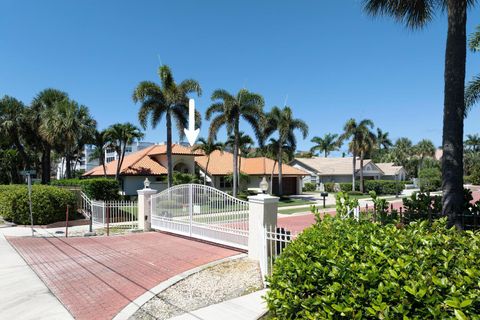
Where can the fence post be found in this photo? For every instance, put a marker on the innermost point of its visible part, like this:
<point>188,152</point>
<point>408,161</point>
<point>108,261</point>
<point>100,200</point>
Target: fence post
<point>144,208</point>
<point>262,213</point>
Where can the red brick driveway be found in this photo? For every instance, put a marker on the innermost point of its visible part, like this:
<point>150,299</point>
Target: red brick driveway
<point>97,277</point>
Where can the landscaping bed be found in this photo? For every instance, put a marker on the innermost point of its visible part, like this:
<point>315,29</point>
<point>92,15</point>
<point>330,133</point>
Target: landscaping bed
<point>213,285</point>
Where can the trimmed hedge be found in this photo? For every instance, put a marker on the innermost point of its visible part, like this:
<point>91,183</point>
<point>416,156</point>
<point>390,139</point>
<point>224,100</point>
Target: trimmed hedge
<point>309,186</point>
<point>359,270</point>
<point>381,187</point>
<point>430,179</point>
<point>48,204</point>
<point>98,188</point>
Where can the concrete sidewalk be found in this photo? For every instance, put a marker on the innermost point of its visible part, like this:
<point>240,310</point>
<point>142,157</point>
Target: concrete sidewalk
<point>23,295</point>
<point>247,307</point>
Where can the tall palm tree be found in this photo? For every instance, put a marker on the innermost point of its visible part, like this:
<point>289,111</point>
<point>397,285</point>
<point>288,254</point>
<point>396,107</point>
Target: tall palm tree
<point>473,142</point>
<point>383,141</point>
<point>424,148</point>
<point>355,131</point>
<point>365,144</point>
<point>100,143</point>
<point>67,126</point>
<point>168,99</point>
<point>207,146</point>
<point>417,14</point>
<point>118,136</point>
<point>282,121</point>
<point>245,143</point>
<point>326,144</point>
<point>227,110</point>
<point>12,120</point>
<point>271,150</point>
<point>44,101</point>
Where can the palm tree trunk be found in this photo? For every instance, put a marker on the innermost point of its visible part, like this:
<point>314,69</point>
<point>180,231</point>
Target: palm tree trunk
<point>271,176</point>
<point>169,149</point>
<point>280,160</point>
<point>453,112</point>
<point>68,167</point>
<point>46,165</point>
<point>354,169</point>
<point>235,161</point>
<point>326,154</point>
<point>206,170</point>
<point>361,172</point>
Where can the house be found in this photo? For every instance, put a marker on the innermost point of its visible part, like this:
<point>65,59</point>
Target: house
<point>151,163</point>
<point>340,169</point>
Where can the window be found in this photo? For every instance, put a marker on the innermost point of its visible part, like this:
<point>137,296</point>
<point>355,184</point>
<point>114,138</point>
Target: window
<point>128,149</point>
<point>110,159</point>
<point>225,183</point>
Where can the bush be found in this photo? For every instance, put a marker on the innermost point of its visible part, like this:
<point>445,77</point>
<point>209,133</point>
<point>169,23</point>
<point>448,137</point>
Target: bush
<point>354,193</point>
<point>48,204</point>
<point>97,188</point>
<point>345,269</point>
<point>381,187</point>
<point>430,179</point>
<point>309,187</point>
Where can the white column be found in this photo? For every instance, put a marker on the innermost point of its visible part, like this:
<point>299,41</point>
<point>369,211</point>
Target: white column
<point>144,212</point>
<point>262,213</point>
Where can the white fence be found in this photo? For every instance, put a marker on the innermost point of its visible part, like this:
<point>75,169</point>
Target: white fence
<point>110,214</point>
<point>202,212</point>
<point>275,240</point>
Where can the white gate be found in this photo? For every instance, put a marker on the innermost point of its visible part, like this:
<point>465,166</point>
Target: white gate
<point>201,212</point>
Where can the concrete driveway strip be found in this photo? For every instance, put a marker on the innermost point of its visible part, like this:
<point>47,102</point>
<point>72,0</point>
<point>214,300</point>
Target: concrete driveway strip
<point>22,294</point>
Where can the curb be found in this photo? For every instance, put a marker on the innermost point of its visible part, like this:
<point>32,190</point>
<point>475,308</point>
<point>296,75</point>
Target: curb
<point>136,304</point>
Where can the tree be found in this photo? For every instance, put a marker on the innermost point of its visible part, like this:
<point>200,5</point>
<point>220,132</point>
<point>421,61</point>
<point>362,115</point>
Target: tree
<point>357,132</point>
<point>207,146</point>
<point>245,143</point>
<point>227,110</point>
<point>168,99</point>
<point>326,144</point>
<point>100,143</point>
<point>118,136</point>
<point>44,101</point>
<point>473,142</point>
<point>417,14</point>
<point>365,143</point>
<point>12,120</point>
<point>383,141</point>
<point>271,150</point>
<point>282,121</point>
<point>67,126</point>
<point>424,148</point>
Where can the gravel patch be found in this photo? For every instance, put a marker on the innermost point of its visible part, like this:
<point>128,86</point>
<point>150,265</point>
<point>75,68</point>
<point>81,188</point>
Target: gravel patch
<point>219,283</point>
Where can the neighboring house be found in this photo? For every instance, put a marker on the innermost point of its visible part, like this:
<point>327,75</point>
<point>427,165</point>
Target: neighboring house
<point>151,163</point>
<point>86,164</point>
<point>340,170</point>
<point>221,164</point>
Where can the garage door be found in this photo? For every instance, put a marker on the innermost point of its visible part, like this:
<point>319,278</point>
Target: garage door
<point>289,185</point>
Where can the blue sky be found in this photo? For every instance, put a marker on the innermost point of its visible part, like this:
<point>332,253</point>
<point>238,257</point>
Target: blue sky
<point>333,61</point>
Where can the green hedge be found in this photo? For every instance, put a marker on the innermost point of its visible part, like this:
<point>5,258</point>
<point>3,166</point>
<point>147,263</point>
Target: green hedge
<point>98,188</point>
<point>48,204</point>
<point>381,187</point>
<point>342,269</point>
<point>309,186</point>
<point>430,179</point>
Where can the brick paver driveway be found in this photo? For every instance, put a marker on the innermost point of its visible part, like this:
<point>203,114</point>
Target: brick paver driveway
<point>97,277</point>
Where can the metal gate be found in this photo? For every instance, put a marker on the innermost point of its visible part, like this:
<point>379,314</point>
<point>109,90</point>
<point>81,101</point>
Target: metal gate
<point>201,212</point>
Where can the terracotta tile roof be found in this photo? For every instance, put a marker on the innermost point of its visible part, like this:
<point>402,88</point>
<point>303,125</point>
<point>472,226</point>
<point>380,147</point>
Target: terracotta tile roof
<point>176,149</point>
<point>331,166</point>
<point>222,164</point>
<point>137,163</point>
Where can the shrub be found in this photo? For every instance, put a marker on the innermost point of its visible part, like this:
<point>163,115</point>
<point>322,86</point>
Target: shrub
<point>345,269</point>
<point>354,193</point>
<point>97,188</point>
<point>48,204</point>
<point>381,187</point>
<point>309,186</point>
<point>430,179</point>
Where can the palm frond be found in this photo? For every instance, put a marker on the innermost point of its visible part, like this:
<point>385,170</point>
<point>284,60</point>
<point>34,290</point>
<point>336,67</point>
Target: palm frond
<point>472,94</point>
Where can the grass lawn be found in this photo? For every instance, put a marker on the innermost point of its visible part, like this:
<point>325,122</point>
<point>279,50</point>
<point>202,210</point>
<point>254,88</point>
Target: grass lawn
<point>287,202</point>
<point>298,210</point>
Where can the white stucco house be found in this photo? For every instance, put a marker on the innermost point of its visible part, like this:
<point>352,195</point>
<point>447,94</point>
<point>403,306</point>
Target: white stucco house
<point>339,170</point>
<point>151,163</point>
